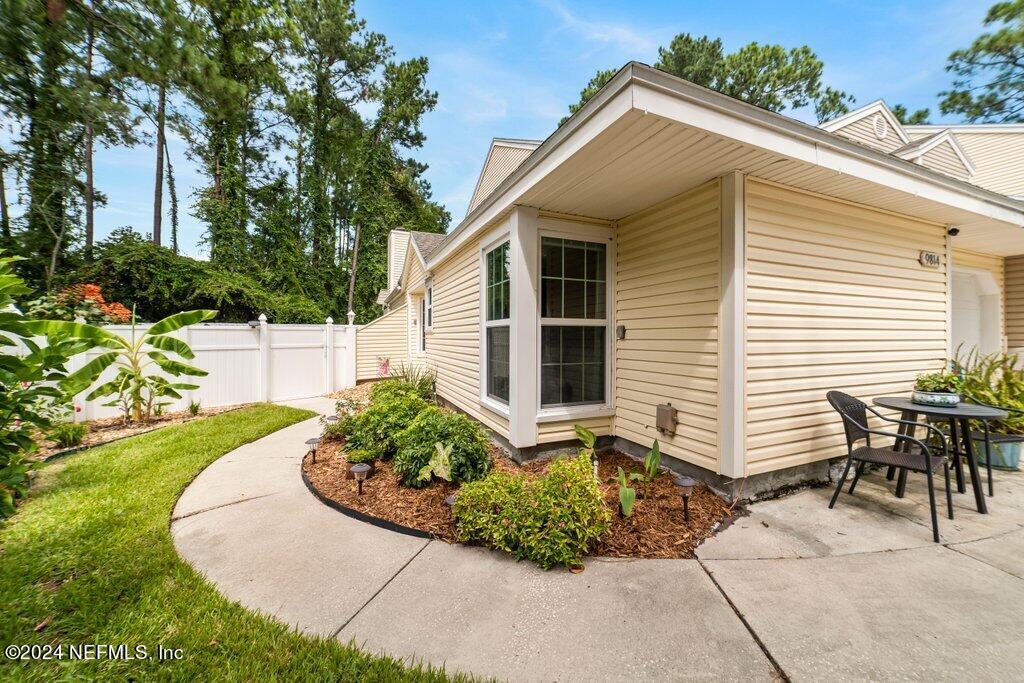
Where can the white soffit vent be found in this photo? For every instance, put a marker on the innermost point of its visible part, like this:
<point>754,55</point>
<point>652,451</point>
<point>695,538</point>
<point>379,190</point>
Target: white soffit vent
<point>881,129</point>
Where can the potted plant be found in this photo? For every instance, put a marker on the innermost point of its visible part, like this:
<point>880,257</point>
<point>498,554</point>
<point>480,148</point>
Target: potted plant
<point>937,389</point>
<point>996,380</point>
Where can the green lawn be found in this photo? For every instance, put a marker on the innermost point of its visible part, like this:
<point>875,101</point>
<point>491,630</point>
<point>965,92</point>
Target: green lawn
<point>89,559</point>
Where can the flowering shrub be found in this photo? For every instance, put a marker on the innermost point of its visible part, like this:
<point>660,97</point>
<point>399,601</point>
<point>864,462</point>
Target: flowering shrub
<point>79,301</point>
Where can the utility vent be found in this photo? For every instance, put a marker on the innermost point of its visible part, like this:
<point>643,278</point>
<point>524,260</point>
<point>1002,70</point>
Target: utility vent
<point>881,128</point>
<point>666,419</point>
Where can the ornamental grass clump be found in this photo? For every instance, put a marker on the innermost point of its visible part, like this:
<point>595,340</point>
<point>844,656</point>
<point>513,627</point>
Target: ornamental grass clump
<point>552,520</point>
<point>417,446</point>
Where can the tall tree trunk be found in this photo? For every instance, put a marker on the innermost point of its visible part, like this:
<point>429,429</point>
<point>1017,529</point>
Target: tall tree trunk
<point>90,193</point>
<point>173,192</point>
<point>352,267</point>
<point>5,216</point>
<point>298,187</point>
<point>161,143</point>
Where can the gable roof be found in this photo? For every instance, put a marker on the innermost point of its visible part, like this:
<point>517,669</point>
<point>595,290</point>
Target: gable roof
<point>503,157</point>
<point>876,107</point>
<point>426,242</point>
<point>921,146</point>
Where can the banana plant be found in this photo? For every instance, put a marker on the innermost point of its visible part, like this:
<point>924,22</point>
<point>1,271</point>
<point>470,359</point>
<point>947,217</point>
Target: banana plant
<point>627,494</point>
<point>138,387</point>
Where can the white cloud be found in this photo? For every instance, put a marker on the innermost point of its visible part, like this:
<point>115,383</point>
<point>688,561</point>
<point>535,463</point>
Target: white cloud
<point>630,41</point>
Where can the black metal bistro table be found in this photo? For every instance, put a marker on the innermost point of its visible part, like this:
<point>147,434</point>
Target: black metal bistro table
<point>959,418</point>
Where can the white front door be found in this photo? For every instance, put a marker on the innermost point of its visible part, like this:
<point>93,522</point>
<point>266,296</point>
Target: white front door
<point>976,312</point>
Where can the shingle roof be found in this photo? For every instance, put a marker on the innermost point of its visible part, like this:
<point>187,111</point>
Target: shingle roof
<point>426,242</point>
<point>918,143</point>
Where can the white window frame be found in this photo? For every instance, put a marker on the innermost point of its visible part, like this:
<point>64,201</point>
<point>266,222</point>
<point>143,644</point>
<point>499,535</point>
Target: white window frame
<point>583,232</point>
<point>487,245</point>
<point>421,332</point>
<point>429,308</point>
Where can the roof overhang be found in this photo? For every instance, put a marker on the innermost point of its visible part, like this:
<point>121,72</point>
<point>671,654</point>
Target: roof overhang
<point>647,136</point>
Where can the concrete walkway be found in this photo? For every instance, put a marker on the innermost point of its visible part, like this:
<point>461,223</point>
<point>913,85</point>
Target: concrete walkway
<point>858,592</point>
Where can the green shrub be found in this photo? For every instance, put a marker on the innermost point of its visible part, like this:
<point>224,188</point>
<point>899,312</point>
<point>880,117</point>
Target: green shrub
<point>553,519</point>
<point>417,445</point>
<point>376,428</point>
<point>356,455</point>
<point>390,388</point>
<point>68,434</point>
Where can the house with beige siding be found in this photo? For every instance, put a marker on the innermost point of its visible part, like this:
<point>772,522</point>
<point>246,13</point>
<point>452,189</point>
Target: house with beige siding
<point>674,264</point>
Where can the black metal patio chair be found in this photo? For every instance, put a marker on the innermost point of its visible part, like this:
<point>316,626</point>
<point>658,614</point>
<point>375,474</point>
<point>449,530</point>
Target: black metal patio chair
<point>902,455</point>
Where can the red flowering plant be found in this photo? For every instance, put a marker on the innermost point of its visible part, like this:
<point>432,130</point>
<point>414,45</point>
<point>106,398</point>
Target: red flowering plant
<point>82,301</point>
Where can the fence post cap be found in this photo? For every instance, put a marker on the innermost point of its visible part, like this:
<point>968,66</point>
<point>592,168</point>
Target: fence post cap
<point>330,320</point>
<point>351,317</point>
<point>262,318</point>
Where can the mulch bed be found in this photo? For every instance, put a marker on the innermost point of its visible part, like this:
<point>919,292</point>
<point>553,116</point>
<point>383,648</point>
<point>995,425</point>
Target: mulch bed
<point>113,428</point>
<point>656,528</point>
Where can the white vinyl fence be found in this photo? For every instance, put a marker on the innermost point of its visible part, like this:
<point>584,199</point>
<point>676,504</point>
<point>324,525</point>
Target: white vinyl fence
<point>248,364</point>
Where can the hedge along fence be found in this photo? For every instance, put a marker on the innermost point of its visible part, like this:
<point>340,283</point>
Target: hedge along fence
<point>248,363</point>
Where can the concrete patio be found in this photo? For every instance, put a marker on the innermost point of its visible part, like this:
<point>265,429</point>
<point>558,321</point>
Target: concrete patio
<point>793,589</point>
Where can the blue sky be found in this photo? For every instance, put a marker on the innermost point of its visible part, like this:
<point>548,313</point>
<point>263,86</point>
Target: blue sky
<point>510,69</point>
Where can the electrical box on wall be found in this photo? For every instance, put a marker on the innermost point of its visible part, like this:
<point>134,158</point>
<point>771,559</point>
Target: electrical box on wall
<point>666,419</point>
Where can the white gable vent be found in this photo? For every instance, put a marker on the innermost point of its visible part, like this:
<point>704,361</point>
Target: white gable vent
<point>881,129</point>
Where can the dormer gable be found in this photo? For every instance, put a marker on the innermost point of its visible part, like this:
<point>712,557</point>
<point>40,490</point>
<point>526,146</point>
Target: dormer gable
<point>873,125</point>
<point>940,152</point>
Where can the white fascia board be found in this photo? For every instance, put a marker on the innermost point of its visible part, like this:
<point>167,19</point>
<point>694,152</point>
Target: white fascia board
<point>876,107</point>
<point>775,133</point>
<point>614,101</point>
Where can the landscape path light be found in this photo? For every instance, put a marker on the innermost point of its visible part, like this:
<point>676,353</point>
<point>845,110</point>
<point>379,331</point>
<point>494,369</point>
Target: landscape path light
<point>686,484</point>
<point>360,471</point>
<point>313,443</point>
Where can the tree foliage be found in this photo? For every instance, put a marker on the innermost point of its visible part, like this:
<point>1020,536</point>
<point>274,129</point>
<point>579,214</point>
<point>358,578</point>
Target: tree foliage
<point>911,118</point>
<point>297,114</point>
<point>988,84</point>
<point>767,76</point>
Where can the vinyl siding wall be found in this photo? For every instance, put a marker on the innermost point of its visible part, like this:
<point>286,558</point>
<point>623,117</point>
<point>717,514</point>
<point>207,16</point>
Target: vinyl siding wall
<point>398,243</point>
<point>453,348</point>
<point>1014,303</point>
<point>863,131</point>
<point>836,299</point>
<point>944,159</point>
<point>552,432</point>
<point>994,265</point>
<point>667,296</point>
<point>385,337</point>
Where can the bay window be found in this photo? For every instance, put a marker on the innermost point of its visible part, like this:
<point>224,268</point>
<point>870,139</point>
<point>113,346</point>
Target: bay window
<point>574,322</point>
<point>497,314</point>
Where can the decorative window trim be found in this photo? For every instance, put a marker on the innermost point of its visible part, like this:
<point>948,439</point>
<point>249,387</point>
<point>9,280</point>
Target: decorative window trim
<point>569,230</point>
<point>488,244</point>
